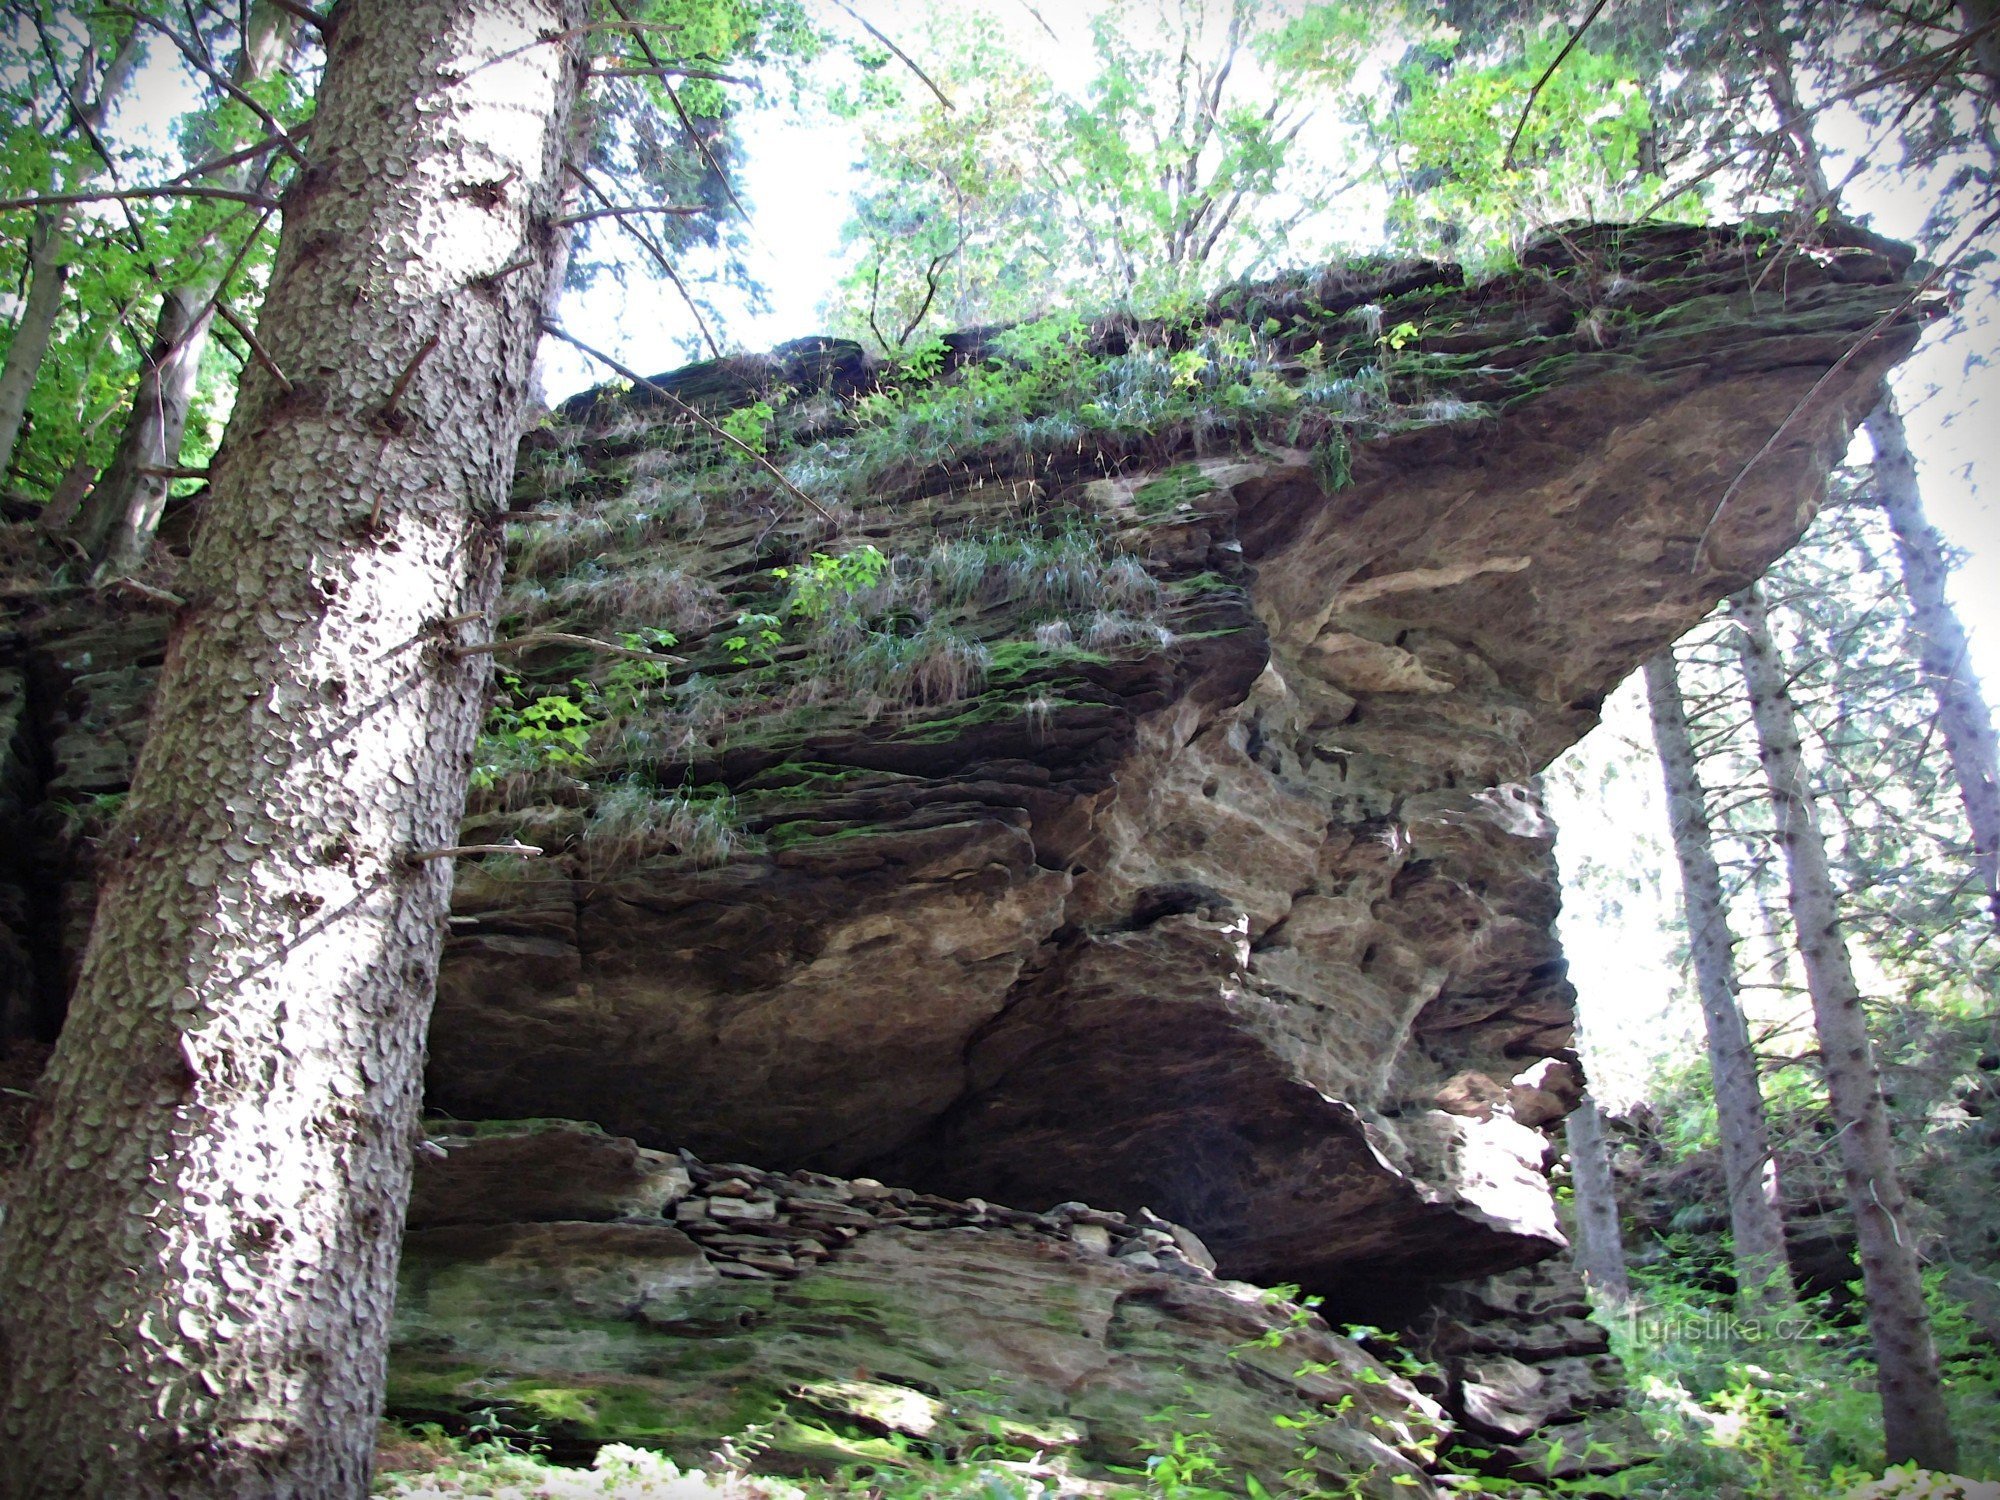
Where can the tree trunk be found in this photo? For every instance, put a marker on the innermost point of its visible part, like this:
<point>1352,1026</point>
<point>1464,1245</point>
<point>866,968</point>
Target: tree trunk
<point>1982,21</point>
<point>1914,1423</point>
<point>198,1263</point>
<point>1756,1222</point>
<point>1599,1253</point>
<point>48,276</point>
<point>116,523</point>
<point>48,272</point>
<point>1963,717</point>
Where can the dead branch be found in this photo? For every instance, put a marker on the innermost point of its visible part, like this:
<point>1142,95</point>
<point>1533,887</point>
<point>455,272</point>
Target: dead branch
<point>201,63</point>
<point>1535,93</point>
<point>467,851</point>
<point>143,591</point>
<point>177,190</point>
<point>235,320</point>
<point>393,406</point>
<point>1868,337</point>
<point>908,61</point>
<point>715,427</point>
<point>634,211</point>
<point>680,112</point>
<point>675,70</point>
<point>660,258</point>
<point>564,638</point>
<point>237,158</point>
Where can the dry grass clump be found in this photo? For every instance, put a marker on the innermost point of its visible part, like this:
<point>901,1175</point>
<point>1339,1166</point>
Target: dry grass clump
<point>929,669</point>
<point>633,821</point>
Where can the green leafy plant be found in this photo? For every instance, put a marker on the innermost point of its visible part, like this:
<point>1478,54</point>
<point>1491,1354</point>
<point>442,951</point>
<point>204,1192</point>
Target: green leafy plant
<point>755,641</point>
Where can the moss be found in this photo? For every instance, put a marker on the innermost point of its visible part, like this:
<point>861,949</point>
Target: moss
<point>1180,485</point>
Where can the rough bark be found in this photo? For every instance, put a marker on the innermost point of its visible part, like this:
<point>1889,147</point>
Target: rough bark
<point>1914,1422</point>
<point>198,1263</point>
<point>48,269</point>
<point>1963,716</point>
<point>116,523</point>
<point>1763,1278</point>
<point>1599,1249</point>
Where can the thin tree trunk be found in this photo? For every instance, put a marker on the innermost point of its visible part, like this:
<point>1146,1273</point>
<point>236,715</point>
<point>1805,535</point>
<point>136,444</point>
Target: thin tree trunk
<point>1599,1252</point>
<point>1963,717</point>
<point>1914,1422</point>
<point>198,1262</point>
<point>116,523</point>
<point>1982,21</point>
<point>1749,1168</point>
<point>48,268</point>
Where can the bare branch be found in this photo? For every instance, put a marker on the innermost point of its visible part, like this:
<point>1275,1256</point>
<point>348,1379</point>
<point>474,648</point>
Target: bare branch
<point>237,158</point>
<point>676,70</point>
<point>1868,337</point>
<point>660,258</point>
<point>187,190</point>
<point>634,211</point>
<point>564,638</point>
<point>1507,157</point>
<point>143,591</point>
<point>467,851</point>
<point>694,135</point>
<point>199,60</point>
<point>908,61</point>
<point>305,13</point>
<point>235,320</point>
<point>715,427</point>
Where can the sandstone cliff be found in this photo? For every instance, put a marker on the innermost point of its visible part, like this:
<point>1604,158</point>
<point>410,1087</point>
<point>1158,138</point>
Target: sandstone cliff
<point>1147,821</point>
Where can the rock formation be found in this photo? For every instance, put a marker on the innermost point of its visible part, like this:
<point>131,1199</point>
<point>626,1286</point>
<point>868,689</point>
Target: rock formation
<point>1147,822</point>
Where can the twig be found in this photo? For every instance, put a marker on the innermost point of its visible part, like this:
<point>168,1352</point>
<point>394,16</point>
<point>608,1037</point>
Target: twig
<point>1507,157</point>
<point>143,591</point>
<point>465,851</point>
<point>237,158</point>
<point>563,638</point>
<point>636,211</point>
<point>203,65</point>
<point>1868,337</point>
<point>687,121</point>
<point>175,473</point>
<point>392,408</point>
<point>660,258</point>
<point>235,320</point>
<point>305,13</point>
<point>908,61</point>
<point>187,190</point>
<point>715,427</point>
<point>676,69</point>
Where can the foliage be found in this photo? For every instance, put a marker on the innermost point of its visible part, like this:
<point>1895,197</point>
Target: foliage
<point>1178,163</point>
<point>1750,1408</point>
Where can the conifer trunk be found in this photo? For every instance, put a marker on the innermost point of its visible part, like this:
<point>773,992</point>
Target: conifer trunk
<point>1756,1222</point>
<point>1963,717</point>
<point>1599,1253</point>
<point>116,523</point>
<point>198,1262</point>
<point>1914,1422</point>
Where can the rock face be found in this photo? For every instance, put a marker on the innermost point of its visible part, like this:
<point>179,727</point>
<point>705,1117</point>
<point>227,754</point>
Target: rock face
<point>837,1315</point>
<point>1128,803</point>
<point>1230,915</point>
